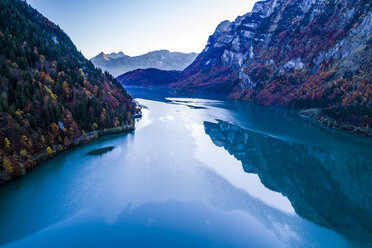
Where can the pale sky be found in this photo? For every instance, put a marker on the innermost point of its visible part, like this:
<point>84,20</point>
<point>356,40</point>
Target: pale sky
<point>140,26</point>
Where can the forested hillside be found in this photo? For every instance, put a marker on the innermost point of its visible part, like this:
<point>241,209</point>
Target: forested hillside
<point>49,93</point>
<point>148,77</point>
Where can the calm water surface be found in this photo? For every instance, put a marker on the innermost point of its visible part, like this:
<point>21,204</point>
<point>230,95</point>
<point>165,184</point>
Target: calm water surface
<point>199,173</point>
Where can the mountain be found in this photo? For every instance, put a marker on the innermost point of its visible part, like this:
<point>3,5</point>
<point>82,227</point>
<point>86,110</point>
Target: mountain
<point>294,53</point>
<point>119,63</point>
<point>148,77</point>
<point>312,55</point>
<point>50,95</point>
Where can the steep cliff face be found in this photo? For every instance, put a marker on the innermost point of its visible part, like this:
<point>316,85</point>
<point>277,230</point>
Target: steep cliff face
<point>293,53</point>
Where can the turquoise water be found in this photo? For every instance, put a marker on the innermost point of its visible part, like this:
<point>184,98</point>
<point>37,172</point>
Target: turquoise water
<point>199,173</point>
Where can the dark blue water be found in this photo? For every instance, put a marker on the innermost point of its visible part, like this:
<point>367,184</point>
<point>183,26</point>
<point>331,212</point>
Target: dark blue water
<point>199,173</point>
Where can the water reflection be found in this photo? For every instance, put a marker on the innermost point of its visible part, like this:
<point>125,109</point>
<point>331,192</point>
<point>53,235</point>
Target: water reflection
<point>167,224</point>
<point>183,190</point>
<point>329,188</point>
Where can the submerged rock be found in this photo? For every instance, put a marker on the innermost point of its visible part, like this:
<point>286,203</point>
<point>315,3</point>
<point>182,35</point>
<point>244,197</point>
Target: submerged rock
<point>101,151</point>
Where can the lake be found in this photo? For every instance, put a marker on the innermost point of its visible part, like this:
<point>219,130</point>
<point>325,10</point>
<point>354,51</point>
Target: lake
<point>199,173</point>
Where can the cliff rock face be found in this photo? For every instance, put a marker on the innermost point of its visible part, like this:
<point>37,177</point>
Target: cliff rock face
<point>294,53</point>
<point>119,63</point>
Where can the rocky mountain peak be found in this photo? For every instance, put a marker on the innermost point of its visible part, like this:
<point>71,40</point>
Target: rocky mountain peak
<point>265,8</point>
<point>115,55</point>
<point>221,28</point>
<point>295,53</point>
<point>102,56</point>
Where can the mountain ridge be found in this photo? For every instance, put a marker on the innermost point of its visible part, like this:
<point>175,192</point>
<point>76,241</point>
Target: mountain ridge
<point>309,55</point>
<point>148,77</point>
<point>119,63</point>
<point>51,96</point>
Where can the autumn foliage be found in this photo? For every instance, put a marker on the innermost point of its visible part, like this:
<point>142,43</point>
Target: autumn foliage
<point>330,42</point>
<point>49,93</point>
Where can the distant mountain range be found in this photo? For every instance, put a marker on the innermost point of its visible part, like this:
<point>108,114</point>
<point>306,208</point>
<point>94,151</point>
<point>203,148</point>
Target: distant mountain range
<point>119,63</point>
<point>312,55</point>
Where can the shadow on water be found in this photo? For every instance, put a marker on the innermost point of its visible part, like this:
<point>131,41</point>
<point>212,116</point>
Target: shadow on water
<point>332,189</point>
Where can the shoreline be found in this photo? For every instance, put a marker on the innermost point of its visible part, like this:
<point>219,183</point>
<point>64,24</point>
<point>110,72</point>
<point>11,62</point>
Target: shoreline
<point>43,156</point>
<point>316,116</point>
<point>310,114</point>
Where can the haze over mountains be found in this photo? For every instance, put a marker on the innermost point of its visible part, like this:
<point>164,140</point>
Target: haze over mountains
<point>299,54</point>
<point>119,63</point>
